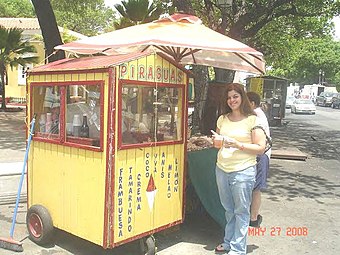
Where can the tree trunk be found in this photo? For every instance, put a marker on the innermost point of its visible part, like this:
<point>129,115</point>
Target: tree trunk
<point>3,94</point>
<point>49,29</point>
<point>201,90</point>
<point>216,99</point>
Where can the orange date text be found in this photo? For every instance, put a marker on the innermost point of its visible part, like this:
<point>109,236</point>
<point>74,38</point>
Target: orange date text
<point>278,231</point>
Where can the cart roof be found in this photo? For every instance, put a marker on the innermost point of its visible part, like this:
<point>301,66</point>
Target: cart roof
<point>86,63</point>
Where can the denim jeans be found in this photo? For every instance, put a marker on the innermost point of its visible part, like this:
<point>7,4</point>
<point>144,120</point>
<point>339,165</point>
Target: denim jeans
<point>235,190</point>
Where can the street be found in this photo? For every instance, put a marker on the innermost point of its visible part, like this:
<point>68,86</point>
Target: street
<point>299,208</point>
<point>326,117</point>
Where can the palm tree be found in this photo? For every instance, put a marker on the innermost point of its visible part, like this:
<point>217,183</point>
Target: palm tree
<point>136,12</point>
<point>13,51</point>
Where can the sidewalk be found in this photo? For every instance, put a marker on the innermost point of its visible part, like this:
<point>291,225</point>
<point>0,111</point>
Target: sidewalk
<point>300,207</point>
<point>12,152</point>
<point>12,137</point>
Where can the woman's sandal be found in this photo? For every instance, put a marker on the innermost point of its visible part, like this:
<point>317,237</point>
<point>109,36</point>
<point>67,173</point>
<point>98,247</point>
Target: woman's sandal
<point>220,249</point>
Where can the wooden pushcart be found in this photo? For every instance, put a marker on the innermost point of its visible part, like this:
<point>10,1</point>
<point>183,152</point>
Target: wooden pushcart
<point>107,158</point>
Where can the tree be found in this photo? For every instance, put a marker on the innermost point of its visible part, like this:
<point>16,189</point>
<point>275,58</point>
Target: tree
<point>298,48</point>
<point>49,29</point>
<point>16,9</point>
<point>135,12</point>
<point>244,20</point>
<point>307,57</point>
<point>13,51</point>
<point>88,17</point>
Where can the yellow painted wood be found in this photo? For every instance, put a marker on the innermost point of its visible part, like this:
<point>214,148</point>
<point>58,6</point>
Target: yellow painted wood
<point>132,70</point>
<point>256,85</point>
<point>71,181</point>
<point>68,181</point>
<point>48,78</point>
<point>134,168</point>
<point>90,76</point>
<point>75,77</point>
<point>150,67</point>
<point>166,71</point>
<point>100,76</point>
<point>68,77</point>
<point>71,188</point>
<point>54,77</point>
<point>158,69</point>
<point>61,77</point>
<point>82,76</point>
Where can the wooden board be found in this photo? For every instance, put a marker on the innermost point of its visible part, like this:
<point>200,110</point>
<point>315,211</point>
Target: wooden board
<point>289,153</point>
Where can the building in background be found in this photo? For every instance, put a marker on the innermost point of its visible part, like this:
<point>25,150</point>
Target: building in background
<point>16,87</point>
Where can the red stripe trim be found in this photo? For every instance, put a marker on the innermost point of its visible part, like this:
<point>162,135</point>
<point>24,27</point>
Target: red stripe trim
<point>108,205</point>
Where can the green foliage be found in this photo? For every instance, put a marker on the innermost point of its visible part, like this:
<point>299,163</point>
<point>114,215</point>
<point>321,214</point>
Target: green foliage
<point>337,81</point>
<point>298,48</point>
<point>135,12</point>
<point>16,9</point>
<point>88,17</point>
<point>307,57</point>
<point>13,51</point>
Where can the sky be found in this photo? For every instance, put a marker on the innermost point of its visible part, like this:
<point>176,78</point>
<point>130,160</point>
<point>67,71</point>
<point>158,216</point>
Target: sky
<point>111,3</point>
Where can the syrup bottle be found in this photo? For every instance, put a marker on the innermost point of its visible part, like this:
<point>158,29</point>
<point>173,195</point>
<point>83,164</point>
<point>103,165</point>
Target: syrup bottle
<point>84,129</point>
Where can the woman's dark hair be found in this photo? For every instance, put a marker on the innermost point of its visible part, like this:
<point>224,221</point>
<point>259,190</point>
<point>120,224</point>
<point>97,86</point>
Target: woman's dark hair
<point>245,106</point>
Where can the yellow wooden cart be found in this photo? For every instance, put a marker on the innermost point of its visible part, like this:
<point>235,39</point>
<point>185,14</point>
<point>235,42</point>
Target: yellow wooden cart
<point>107,159</point>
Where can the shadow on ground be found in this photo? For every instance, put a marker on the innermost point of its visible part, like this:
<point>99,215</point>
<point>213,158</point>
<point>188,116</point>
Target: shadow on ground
<point>291,179</point>
<point>294,183</point>
<point>12,130</point>
<point>309,139</point>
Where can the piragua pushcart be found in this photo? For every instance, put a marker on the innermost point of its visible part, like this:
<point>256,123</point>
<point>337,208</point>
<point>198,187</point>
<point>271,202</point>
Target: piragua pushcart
<point>107,159</point>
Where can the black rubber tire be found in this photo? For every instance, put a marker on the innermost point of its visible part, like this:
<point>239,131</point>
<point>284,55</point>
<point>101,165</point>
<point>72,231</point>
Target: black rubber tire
<point>148,246</point>
<point>39,225</point>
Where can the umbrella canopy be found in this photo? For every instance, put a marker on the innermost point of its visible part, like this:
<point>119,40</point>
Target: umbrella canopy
<point>182,37</point>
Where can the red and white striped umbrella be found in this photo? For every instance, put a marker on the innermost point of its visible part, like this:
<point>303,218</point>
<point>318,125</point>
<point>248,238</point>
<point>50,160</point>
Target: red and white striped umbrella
<point>180,36</point>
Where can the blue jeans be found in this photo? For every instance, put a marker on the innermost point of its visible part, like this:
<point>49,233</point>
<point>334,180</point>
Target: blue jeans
<point>235,190</point>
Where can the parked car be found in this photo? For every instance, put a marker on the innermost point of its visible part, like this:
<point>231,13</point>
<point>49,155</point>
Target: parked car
<point>289,101</point>
<point>325,99</point>
<point>303,106</point>
<point>336,101</point>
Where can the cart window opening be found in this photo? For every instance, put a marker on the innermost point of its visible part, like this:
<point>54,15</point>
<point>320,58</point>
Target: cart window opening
<point>151,114</point>
<point>83,114</point>
<point>68,114</point>
<point>46,104</point>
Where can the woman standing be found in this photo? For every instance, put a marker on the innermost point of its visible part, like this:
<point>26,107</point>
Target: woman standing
<point>236,166</point>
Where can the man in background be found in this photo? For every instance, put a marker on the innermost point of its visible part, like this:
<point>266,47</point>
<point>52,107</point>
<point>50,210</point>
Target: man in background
<point>262,164</point>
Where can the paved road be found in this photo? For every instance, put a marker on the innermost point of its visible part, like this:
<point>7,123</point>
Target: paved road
<point>300,207</point>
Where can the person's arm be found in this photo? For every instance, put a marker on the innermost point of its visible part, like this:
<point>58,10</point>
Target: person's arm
<point>257,145</point>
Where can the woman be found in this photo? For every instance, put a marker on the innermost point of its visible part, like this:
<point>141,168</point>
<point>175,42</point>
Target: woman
<point>235,167</point>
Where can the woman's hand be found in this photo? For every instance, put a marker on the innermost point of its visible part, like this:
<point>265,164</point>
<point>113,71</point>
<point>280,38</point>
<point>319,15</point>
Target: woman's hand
<point>217,141</point>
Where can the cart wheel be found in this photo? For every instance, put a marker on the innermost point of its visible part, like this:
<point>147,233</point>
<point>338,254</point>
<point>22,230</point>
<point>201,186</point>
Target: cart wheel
<point>148,245</point>
<point>39,225</point>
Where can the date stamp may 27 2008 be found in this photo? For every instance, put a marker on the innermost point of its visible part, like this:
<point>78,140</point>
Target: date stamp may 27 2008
<point>278,231</point>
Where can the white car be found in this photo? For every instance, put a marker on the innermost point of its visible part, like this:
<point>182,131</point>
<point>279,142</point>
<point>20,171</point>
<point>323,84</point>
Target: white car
<point>303,106</point>
<point>289,101</point>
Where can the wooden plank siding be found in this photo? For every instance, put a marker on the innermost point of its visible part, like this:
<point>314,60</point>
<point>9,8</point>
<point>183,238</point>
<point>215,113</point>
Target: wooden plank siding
<point>69,181</point>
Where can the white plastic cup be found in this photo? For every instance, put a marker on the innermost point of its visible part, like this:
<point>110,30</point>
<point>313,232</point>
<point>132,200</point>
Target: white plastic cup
<point>76,125</point>
<point>48,122</point>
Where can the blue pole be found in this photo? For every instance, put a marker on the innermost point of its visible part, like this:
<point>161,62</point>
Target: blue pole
<point>22,176</point>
